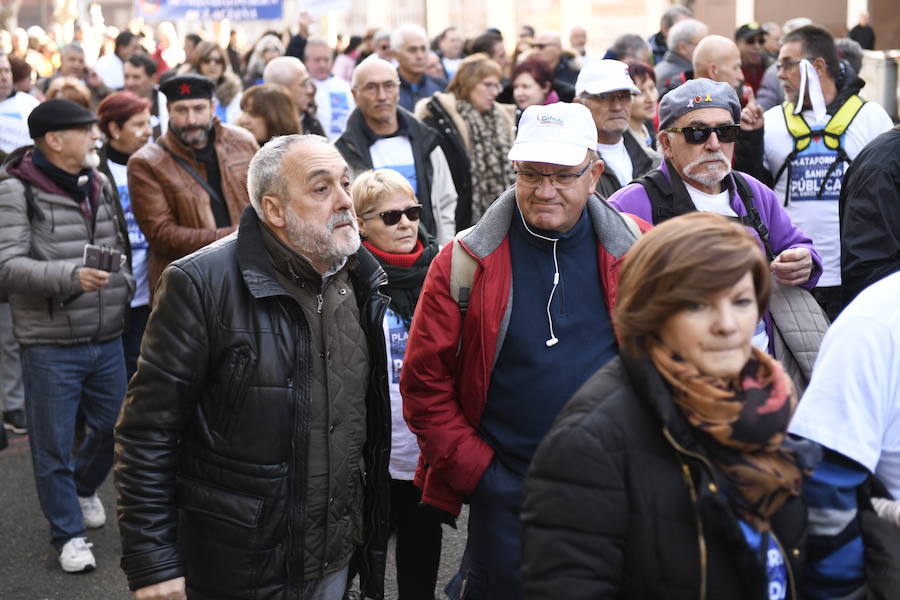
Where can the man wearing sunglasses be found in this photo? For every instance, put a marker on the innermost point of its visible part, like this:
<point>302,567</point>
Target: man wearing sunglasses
<point>606,88</point>
<point>751,40</point>
<point>698,128</point>
<point>482,386</point>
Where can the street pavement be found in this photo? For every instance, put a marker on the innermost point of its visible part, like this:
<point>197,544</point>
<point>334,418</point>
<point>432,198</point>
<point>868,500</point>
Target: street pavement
<point>28,566</point>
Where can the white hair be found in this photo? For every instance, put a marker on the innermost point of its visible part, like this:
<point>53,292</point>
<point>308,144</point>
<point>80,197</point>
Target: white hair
<point>399,35</point>
<point>283,69</point>
<point>264,176</point>
<point>685,31</point>
<point>370,60</point>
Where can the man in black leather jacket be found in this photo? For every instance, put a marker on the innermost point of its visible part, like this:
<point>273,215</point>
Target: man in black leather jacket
<point>252,450</point>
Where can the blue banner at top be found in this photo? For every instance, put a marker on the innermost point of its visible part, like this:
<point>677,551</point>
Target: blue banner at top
<point>208,10</point>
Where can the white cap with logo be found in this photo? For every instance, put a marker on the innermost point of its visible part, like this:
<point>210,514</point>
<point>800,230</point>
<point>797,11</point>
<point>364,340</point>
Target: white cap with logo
<point>557,134</point>
<point>603,76</point>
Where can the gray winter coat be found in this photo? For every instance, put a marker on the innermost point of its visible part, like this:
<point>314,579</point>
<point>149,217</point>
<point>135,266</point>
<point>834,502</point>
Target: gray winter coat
<point>41,251</point>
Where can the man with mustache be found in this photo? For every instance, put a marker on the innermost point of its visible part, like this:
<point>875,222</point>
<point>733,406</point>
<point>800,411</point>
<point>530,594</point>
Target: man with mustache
<point>67,317</point>
<point>188,189</point>
<point>698,126</point>
<point>380,134</point>
<point>254,442</point>
<point>606,88</point>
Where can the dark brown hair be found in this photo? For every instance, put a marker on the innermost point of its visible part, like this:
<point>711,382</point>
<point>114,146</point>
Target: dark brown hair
<point>274,105</point>
<point>687,259</point>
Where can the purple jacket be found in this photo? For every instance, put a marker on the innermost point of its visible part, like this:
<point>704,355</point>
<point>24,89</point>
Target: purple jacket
<point>783,234</point>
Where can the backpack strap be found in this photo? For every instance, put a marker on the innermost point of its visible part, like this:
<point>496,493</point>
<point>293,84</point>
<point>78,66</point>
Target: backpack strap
<point>659,193</point>
<point>462,273</point>
<point>753,219</point>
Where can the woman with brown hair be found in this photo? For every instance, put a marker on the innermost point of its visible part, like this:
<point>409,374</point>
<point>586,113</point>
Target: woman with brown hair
<point>211,61</point>
<point>476,135</point>
<point>670,473</point>
<point>269,111</point>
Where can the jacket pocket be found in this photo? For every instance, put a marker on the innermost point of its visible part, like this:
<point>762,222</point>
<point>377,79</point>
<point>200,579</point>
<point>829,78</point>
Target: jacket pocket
<point>235,508</point>
<point>230,391</point>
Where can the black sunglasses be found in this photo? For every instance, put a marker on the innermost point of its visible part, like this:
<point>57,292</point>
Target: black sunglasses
<point>697,135</point>
<point>392,217</point>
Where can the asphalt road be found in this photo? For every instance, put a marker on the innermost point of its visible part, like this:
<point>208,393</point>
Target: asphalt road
<point>28,566</point>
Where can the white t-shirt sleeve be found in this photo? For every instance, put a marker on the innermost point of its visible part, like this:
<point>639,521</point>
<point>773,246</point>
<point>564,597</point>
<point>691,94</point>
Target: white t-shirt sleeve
<point>849,402</point>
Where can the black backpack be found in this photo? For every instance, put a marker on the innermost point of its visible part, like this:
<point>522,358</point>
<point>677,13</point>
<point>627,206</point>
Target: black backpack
<point>665,203</point>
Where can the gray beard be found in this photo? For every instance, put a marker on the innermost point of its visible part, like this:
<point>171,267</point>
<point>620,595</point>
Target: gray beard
<point>91,160</point>
<point>320,244</point>
<point>707,177</point>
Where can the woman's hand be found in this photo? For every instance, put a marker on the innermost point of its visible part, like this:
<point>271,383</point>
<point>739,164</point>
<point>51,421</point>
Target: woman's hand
<point>793,266</point>
<point>172,589</point>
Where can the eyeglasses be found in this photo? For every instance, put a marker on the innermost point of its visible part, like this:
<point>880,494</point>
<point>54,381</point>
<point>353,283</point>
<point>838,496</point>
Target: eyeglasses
<point>372,87</point>
<point>560,181</point>
<point>786,65</point>
<point>213,59</point>
<point>758,40</point>
<point>392,217</point>
<point>697,135</point>
<point>619,96</point>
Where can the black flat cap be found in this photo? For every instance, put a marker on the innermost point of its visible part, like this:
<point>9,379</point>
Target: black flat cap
<point>188,87</point>
<point>57,115</point>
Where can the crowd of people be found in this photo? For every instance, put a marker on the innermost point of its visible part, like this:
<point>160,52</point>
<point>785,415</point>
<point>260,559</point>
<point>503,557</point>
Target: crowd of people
<point>300,299</point>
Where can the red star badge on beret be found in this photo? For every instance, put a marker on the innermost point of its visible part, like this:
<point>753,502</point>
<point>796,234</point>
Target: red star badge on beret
<point>185,89</point>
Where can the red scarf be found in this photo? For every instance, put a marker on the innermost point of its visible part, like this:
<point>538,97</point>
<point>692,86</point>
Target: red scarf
<point>398,260</point>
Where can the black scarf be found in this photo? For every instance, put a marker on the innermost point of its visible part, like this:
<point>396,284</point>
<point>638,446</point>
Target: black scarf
<point>65,180</point>
<point>405,283</point>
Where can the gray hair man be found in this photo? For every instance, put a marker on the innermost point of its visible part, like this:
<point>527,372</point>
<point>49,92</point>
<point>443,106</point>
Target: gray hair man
<point>486,372</point>
<point>675,67</point>
<point>658,40</point>
<point>381,134</point>
<point>270,420</point>
<point>409,44</point>
<point>606,88</point>
<point>61,262</point>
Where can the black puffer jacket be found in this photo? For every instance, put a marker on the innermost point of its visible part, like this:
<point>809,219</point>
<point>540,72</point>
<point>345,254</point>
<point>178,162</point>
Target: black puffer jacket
<point>212,443</point>
<point>622,502</point>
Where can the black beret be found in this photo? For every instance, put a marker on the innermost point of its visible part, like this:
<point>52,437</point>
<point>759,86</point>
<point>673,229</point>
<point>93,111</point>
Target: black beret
<point>188,87</point>
<point>56,115</point>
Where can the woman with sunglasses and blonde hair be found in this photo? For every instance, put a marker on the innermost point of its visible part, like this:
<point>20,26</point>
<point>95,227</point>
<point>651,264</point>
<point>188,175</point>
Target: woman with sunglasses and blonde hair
<point>389,224</point>
<point>211,61</point>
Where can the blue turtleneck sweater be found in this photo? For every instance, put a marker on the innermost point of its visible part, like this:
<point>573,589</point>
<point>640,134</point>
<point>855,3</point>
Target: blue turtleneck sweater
<point>531,382</point>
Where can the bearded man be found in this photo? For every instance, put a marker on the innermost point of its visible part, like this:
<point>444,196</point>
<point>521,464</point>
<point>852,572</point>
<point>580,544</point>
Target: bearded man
<point>253,445</point>
<point>188,189</point>
<point>699,123</point>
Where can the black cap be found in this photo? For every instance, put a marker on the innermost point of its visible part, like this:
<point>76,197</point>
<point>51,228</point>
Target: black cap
<point>748,30</point>
<point>188,87</point>
<point>56,115</point>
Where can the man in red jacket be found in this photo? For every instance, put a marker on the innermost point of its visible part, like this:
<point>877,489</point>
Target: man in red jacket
<point>482,386</point>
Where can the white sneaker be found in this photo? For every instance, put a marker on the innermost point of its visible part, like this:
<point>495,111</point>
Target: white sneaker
<point>76,556</point>
<point>92,511</point>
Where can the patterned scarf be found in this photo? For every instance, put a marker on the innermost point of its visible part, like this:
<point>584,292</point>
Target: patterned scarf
<point>743,423</point>
<point>491,140</point>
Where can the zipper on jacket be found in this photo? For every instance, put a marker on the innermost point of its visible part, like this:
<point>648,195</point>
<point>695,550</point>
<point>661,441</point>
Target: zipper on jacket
<point>792,584</point>
<point>689,482</point>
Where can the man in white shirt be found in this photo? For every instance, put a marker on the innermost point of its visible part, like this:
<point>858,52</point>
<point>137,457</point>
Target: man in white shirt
<point>807,153</point>
<point>14,110</point>
<point>139,78</point>
<point>606,88</point>
<point>111,67</point>
<point>334,100</point>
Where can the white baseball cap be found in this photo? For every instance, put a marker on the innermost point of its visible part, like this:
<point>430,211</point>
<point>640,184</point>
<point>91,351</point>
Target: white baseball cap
<point>558,134</point>
<point>602,76</point>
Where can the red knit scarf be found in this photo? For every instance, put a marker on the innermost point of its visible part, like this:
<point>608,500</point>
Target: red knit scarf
<point>398,260</point>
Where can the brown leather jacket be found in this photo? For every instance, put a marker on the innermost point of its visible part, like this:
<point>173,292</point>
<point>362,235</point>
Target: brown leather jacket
<point>172,209</point>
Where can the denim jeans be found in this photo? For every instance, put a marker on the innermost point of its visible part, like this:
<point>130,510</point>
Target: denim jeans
<point>58,381</point>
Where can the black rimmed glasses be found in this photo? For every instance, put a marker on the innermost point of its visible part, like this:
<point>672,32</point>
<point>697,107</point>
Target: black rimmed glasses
<point>560,181</point>
<point>392,217</point>
<point>786,65</point>
<point>698,135</point>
